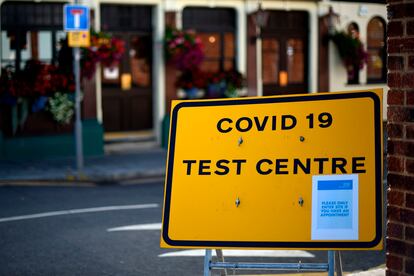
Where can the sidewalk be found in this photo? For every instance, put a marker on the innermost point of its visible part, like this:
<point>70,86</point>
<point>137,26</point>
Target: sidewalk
<point>117,165</point>
<point>371,272</point>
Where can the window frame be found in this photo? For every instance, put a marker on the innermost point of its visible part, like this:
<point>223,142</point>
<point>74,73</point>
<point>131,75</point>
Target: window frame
<point>221,27</point>
<point>383,78</point>
<point>22,27</point>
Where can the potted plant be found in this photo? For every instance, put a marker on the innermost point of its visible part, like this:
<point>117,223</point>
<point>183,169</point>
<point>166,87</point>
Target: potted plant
<point>28,93</point>
<point>224,84</point>
<point>191,83</point>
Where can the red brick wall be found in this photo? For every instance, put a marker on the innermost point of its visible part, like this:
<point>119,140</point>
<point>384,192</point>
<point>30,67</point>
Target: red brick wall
<point>400,127</point>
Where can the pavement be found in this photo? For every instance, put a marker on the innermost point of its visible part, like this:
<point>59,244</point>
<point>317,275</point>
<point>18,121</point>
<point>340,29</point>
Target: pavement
<point>371,272</point>
<point>122,162</point>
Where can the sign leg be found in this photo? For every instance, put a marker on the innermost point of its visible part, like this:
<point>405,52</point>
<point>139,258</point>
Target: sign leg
<point>220,257</point>
<point>207,260</point>
<point>331,263</point>
<point>338,263</point>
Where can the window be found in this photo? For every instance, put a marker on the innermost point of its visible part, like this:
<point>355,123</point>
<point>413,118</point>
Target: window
<point>140,61</point>
<point>295,60</point>
<point>215,28</point>
<point>270,63</point>
<point>376,47</point>
<point>30,30</point>
<point>284,52</point>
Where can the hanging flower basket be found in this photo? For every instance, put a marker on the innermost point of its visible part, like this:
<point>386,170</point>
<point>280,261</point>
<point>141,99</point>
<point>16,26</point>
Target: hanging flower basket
<point>104,49</point>
<point>351,50</point>
<point>183,48</point>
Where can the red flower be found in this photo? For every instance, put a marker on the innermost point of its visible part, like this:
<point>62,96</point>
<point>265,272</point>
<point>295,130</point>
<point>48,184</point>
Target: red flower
<point>183,48</point>
<point>36,79</point>
<point>190,79</point>
<point>105,49</point>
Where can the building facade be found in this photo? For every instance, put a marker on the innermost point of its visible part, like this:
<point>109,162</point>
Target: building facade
<point>284,48</point>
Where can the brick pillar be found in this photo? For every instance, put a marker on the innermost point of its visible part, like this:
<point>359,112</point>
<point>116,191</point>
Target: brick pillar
<point>400,127</point>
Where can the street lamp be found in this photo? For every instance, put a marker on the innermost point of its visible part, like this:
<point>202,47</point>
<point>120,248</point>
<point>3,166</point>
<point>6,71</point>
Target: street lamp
<point>260,20</point>
<point>331,20</point>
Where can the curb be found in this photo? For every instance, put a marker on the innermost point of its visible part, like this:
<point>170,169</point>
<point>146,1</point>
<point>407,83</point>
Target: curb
<point>88,180</point>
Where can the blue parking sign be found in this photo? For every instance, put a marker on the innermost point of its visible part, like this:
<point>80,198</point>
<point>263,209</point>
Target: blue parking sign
<point>76,18</point>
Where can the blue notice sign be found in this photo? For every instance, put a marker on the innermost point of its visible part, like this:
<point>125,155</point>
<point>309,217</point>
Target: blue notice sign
<point>335,207</point>
<point>75,18</point>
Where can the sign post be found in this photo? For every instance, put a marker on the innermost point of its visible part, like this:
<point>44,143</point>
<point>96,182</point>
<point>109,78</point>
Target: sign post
<point>300,171</point>
<point>76,19</point>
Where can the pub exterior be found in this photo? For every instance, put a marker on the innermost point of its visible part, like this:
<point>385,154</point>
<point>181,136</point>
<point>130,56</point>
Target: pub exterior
<point>283,47</point>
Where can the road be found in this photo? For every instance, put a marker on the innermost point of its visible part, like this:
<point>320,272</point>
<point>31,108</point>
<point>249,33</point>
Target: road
<point>110,230</point>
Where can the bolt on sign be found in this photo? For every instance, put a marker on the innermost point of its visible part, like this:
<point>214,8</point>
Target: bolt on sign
<point>301,171</point>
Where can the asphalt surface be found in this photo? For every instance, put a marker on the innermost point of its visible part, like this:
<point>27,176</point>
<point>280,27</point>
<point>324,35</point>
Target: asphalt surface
<point>77,242</point>
<point>105,168</point>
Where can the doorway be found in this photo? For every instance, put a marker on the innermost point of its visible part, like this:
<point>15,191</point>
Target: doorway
<point>285,53</point>
<point>127,89</point>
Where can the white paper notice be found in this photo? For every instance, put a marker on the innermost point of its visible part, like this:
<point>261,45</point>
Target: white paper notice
<point>111,73</point>
<point>335,207</point>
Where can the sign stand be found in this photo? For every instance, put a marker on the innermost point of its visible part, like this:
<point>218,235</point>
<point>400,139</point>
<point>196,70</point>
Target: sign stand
<point>299,267</point>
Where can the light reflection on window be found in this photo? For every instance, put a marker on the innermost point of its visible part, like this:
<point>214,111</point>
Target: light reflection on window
<point>295,61</point>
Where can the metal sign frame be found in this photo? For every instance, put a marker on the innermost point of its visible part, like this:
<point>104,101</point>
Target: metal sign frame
<point>69,22</point>
<point>280,244</point>
<point>330,266</point>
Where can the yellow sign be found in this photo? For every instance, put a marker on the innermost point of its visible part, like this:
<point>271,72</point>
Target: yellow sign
<point>301,171</point>
<point>79,39</point>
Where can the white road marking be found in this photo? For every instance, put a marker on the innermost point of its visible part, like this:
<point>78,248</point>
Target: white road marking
<point>137,227</point>
<point>228,253</point>
<point>79,211</point>
<point>372,272</point>
<point>242,253</point>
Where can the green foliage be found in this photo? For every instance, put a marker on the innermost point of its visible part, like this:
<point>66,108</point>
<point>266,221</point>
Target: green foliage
<point>351,50</point>
<point>61,107</point>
